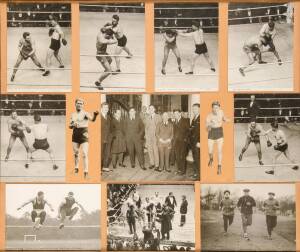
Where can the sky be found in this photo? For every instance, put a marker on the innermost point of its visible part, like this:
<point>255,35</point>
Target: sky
<point>88,195</point>
<point>256,190</point>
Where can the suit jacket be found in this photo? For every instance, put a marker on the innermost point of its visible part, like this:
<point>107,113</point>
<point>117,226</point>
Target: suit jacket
<point>181,130</point>
<point>169,203</point>
<point>195,131</point>
<point>134,129</point>
<point>105,129</point>
<point>150,125</point>
<point>183,207</point>
<point>253,111</point>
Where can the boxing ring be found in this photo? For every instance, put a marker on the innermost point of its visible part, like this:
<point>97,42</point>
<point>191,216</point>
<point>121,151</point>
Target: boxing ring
<point>132,75</point>
<point>203,78</point>
<point>260,77</point>
<point>29,77</point>
<point>40,167</point>
<point>249,170</point>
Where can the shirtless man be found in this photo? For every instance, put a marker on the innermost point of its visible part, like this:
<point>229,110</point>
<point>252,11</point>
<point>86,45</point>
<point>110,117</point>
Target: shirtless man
<point>40,132</point>
<point>252,47</point>
<point>214,126</point>
<point>80,137</point>
<point>67,209</point>
<point>281,147</point>
<point>104,38</point>
<point>57,37</point>
<point>267,34</point>
<point>170,36</point>
<point>16,127</point>
<point>27,50</point>
<point>201,48</point>
<point>254,132</point>
<point>122,41</point>
<point>38,213</point>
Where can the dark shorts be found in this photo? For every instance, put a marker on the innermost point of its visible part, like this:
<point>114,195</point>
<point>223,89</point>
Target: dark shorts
<point>268,42</point>
<point>103,59</point>
<point>80,135</point>
<point>122,41</point>
<point>200,49</point>
<point>281,148</point>
<point>26,56</point>
<point>247,219</point>
<point>215,133</point>
<point>55,45</point>
<point>19,134</point>
<point>171,45</point>
<point>254,139</point>
<point>41,144</point>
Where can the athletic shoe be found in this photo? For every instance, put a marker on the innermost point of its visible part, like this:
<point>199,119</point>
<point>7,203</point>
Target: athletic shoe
<point>262,62</point>
<point>46,73</point>
<point>129,56</point>
<point>116,72</point>
<point>55,167</point>
<point>210,162</point>
<point>61,66</point>
<point>163,71</point>
<point>279,62</point>
<point>6,159</point>
<point>296,167</point>
<point>42,69</point>
<point>76,170</point>
<point>241,70</point>
<point>26,166</point>
<point>180,69</point>
<point>270,172</point>
<point>98,84</point>
<point>241,157</point>
<point>213,69</point>
<point>260,162</point>
<point>85,175</point>
<point>189,73</point>
<point>219,169</point>
<point>61,225</point>
<point>12,78</point>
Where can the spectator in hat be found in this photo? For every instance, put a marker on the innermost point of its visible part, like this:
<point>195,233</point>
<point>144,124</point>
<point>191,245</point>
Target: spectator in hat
<point>227,206</point>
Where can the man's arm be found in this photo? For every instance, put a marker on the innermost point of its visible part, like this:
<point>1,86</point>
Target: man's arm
<point>33,48</point>
<point>185,34</point>
<point>92,117</point>
<point>49,205</point>
<point>168,38</point>
<point>9,124</point>
<point>24,204</point>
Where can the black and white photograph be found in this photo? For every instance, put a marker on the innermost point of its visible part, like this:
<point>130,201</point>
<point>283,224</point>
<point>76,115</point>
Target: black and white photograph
<point>150,137</point>
<point>260,46</point>
<point>248,217</point>
<point>39,47</point>
<point>150,217</point>
<point>53,217</point>
<point>112,47</point>
<point>186,46</point>
<point>32,137</point>
<point>267,137</point>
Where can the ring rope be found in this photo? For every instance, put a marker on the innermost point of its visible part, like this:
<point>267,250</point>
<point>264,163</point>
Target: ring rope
<point>113,6</point>
<point>185,18</point>
<point>36,21</point>
<point>39,69</point>
<point>271,79</point>
<point>39,85</point>
<point>252,17</point>
<point>39,12</point>
<point>121,87</point>
<point>113,55</point>
<point>271,98</point>
<point>272,108</point>
<point>186,8</point>
<point>257,8</point>
<point>183,27</point>
<point>112,72</point>
<point>199,74</point>
<point>265,64</point>
<point>268,165</point>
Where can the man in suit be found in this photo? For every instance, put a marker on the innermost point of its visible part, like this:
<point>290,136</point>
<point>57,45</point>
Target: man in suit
<point>105,137</point>
<point>135,132</point>
<point>183,210</point>
<point>151,121</point>
<point>181,132</point>
<point>170,201</point>
<point>195,139</point>
<point>253,107</point>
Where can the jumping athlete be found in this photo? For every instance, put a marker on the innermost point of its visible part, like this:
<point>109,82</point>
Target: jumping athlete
<point>80,137</point>
<point>104,38</point>
<point>16,127</point>
<point>40,132</point>
<point>57,37</point>
<point>267,34</point>
<point>197,34</point>
<point>214,126</point>
<point>38,213</point>
<point>170,44</point>
<point>254,132</point>
<point>122,41</point>
<point>27,50</point>
<point>67,209</point>
<point>281,147</point>
<point>252,47</point>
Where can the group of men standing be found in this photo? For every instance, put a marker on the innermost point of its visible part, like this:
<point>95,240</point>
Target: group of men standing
<point>167,139</point>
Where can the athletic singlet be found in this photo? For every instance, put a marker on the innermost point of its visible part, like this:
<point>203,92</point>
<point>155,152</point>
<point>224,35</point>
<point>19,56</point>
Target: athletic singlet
<point>26,46</point>
<point>38,205</point>
<point>69,203</point>
<point>39,131</point>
